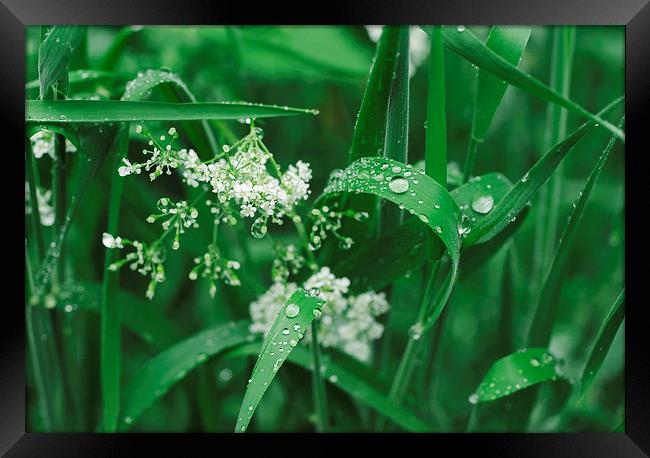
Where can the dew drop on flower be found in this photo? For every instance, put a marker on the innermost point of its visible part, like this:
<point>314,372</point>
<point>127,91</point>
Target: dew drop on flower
<point>483,204</point>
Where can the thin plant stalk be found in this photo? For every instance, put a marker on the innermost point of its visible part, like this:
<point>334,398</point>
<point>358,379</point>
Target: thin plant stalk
<point>470,159</point>
<point>546,222</point>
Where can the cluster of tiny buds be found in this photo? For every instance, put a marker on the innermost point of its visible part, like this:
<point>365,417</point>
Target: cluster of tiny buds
<point>179,216</point>
<point>327,220</point>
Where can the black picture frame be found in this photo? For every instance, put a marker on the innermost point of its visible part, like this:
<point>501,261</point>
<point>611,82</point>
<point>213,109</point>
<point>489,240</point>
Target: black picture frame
<point>633,14</point>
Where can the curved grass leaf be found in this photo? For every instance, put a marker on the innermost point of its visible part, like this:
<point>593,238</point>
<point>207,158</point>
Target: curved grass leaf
<point>464,43</point>
<point>509,43</point>
<point>603,341</point>
<point>516,372</point>
<point>356,379</point>
<point>506,211</point>
<point>120,110</point>
<point>83,76</point>
<point>542,324</point>
<point>379,263</point>
<point>55,52</point>
<point>112,54</point>
<point>169,367</point>
<point>410,188</point>
<point>288,328</point>
<point>68,132</point>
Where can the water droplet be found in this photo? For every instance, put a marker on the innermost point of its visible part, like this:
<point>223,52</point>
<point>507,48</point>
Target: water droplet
<point>424,218</point>
<point>378,177</point>
<point>293,342</point>
<point>535,362</point>
<point>333,378</point>
<point>398,185</point>
<point>292,310</point>
<point>473,399</point>
<point>460,28</point>
<point>316,313</point>
<point>483,204</point>
<point>396,169</point>
<point>438,229</point>
<point>285,331</point>
<point>128,420</point>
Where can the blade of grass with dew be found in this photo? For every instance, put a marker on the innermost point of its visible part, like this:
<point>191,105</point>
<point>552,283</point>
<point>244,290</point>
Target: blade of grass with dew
<point>123,110</point>
<point>163,371</point>
<point>397,123</point>
<point>287,330</point>
<point>544,317</point>
<point>509,43</point>
<point>403,185</point>
<point>464,43</point>
<point>515,372</point>
<point>355,379</point>
<point>507,210</point>
<point>603,342</point>
<point>379,263</point>
<point>55,52</point>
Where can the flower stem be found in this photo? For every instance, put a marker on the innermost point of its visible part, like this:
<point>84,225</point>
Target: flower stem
<point>470,159</point>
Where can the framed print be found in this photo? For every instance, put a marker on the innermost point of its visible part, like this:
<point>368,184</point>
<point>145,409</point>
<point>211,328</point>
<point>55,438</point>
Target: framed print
<point>380,224</point>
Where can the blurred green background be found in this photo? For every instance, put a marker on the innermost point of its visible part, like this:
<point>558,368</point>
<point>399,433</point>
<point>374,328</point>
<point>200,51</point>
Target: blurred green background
<point>326,68</point>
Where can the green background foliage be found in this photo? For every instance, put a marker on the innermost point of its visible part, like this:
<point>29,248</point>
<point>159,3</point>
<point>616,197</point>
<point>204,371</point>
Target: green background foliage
<point>491,306</point>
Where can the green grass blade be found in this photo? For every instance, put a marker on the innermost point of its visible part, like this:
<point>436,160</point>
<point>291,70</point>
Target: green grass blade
<point>397,123</point>
<point>541,327</point>
<point>84,76</point>
<point>464,43</point>
<point>55,52</point>
<point>516,372</point>
<point>509,43</point>
<point>288,328</point>
<point>119,110</point>
<point>603,341</point>
<point>435,148</point>
<point>507,210</point>
<point>171,366</point>
<point>354,378</point>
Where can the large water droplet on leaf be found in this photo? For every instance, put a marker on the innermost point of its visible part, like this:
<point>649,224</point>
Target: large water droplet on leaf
<point>483,204</point>
<point>398,185</point>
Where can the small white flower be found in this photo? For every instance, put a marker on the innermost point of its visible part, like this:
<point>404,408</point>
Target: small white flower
<point>111,242</point>
<point>247,211</point>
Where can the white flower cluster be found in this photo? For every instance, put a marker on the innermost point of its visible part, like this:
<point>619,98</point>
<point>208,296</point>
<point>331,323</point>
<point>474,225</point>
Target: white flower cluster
<point>45,210</point>
<point>43,144</point>
<point>287,260</point>
<point>347,322</point>
<point>418,44</point>
<point>146,259</point>
<point>239,176</point>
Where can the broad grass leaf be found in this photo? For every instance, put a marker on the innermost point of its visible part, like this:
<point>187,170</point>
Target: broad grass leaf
<point>287,330</point>
<point>171,366</point>
<point>516,372</point>
<point>410,188</point>
<point>464,43</point>
<point>353,377</point>
<point>509,43</point>
<point>506,211</point>
<point>55,52</point>
<point>604,340</point>
<point>377,264</point>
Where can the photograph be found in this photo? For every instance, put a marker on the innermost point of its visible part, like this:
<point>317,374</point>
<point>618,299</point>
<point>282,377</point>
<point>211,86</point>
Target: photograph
<point>325,228</point>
